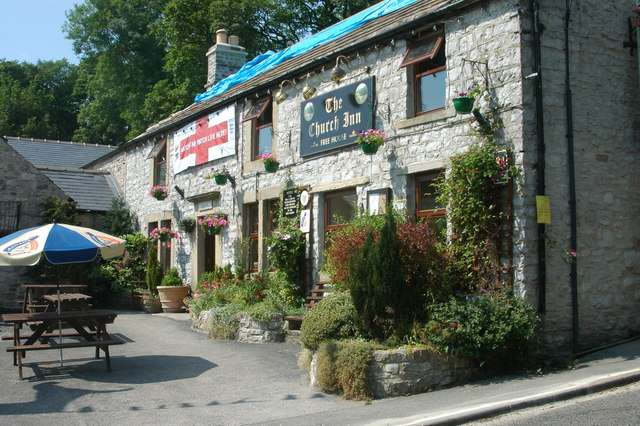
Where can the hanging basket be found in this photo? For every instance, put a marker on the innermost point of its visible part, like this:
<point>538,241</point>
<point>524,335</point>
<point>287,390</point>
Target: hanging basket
<point>463,104</point>
<point>271,166</point>
<point>160,197</point>
<point>214,230</point>
<point>221,179</point>
<point>368,148</point>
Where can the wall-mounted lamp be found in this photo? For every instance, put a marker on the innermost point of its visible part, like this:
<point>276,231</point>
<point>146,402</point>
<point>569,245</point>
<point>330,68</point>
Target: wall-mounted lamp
<point>179,191</point>
<point>338,73</point>
<point>280,96</point>
<point>308,90</point>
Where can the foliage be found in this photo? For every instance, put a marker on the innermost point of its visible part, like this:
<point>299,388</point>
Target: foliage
<point>172,278</point>
<point>223,323</point>
<point>343,243</point>
<point>473,210</point>
<point>286,250</point>
<point>155,272</point>
<point>383,301</point>
<point>159,192</point>
<point>163,235</point>
<point>53,209</point>
<point>186,224</point>
<point>241,254</point>
<point>492,329</point>
<point>269,158</point>
<point>334,317</point>
<point>118,219</point>
<point>473,91</point>
<point>342,366</point>
<point>213,223</point>
<point>222,171</point>
<point>132,265</point>
<point>371,137</point>
<point>38,100</point>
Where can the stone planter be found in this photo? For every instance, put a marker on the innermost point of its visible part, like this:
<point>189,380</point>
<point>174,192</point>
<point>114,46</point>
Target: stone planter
<point>400,372</point>
<point>172,297</point>
<point>151,304</point>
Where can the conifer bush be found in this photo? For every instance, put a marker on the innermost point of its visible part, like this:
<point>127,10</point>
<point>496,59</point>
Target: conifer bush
<point>333,318</point>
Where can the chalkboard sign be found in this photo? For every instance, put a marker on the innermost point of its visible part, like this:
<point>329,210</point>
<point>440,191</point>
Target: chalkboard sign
<point>290,202</point>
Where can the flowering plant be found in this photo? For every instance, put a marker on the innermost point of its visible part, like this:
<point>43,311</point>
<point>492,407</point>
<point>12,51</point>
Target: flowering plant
<point>213,224</point>
<point>222,171</point>
<point>570,256</point>
<point>159,192</point>
<point>502,175</point>
<point>371,137</point>
<point>471,92</point>
<point>163,234</point>
<point>269,158</point>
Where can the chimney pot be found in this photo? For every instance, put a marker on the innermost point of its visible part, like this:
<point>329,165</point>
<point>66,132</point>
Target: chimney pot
<point>221,36</point>
<point>233,40</point>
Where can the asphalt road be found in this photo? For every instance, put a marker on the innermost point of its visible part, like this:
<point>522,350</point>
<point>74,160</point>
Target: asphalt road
<point>619,407</point>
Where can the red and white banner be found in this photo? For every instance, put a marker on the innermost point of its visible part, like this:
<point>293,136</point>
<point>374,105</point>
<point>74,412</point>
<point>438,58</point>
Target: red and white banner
<point>206,139</point>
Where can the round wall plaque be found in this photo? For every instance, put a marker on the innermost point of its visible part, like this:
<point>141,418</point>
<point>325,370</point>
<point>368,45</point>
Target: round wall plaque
<point>304,198</point>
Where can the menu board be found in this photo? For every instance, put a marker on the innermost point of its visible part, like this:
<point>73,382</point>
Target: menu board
<point>290,202</point>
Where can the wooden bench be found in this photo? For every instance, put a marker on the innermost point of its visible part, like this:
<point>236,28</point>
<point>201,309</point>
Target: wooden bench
<point>90,327</point>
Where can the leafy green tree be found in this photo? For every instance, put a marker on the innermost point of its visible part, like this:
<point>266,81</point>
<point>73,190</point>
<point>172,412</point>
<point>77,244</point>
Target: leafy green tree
<point>37,100</point>
<point>53,209</point>
<point>118,219</point>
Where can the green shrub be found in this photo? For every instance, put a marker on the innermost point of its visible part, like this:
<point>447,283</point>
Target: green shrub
<point>342,367</point>
<point>154,270</point>
<point>172,278</point>
<point>286,246</point>
<point>493,330</point>
<point>333,318</point>
<point>223,323</point>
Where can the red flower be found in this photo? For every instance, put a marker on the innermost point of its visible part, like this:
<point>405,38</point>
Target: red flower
<point>454,325</point>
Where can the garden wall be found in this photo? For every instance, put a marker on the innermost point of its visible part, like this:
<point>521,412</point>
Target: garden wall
<point>248,329</point>
<point>410,371</point>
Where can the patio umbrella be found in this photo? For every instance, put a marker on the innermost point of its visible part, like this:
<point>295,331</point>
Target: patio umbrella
<point>60,244</point>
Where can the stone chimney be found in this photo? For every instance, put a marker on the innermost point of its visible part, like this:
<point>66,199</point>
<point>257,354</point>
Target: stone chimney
<point>224,58</point>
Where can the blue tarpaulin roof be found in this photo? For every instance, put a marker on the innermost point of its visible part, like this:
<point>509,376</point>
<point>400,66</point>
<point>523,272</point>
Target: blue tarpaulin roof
<point>270,59</point>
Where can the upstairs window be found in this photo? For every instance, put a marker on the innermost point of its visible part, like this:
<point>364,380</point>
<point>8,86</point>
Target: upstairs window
<point>425,61</point>
<point>159,156</point>
<point>261,117</point>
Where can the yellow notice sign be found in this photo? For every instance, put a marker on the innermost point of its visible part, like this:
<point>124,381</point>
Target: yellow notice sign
<point>543,206</point>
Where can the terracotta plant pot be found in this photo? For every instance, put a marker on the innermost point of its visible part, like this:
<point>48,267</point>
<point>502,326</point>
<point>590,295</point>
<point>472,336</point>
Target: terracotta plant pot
<point>172,297</point>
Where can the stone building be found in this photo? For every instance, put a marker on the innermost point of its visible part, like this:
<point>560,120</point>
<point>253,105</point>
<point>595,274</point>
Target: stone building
<point>554,74</point>
<point>32,170</point>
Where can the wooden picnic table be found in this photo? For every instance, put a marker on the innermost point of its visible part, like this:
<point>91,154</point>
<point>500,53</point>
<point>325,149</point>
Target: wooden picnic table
<point>68,302</point>
<point>90,327</point>
<point>33,293</point>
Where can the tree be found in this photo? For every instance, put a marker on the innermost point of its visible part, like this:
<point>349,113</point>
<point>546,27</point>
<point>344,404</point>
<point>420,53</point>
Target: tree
<point>118,219</point>
<point>37,101</point>
<point>145,59</point>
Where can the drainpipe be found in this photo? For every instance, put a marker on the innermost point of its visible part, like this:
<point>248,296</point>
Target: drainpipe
<point>572,183</point>
<point>540,163</point>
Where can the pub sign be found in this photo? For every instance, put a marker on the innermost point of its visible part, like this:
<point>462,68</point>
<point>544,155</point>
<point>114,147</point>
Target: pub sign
<point>334,119</point>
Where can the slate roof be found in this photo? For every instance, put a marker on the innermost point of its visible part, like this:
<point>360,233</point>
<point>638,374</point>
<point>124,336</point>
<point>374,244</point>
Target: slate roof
<point>396,24</point>
<point>46,153</point>
<point>93,190</point>
<point>62,163</point>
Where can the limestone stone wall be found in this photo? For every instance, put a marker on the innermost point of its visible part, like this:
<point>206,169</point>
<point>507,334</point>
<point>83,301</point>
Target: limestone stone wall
<point>604,109</point>
<point>248,329</point>
<point>22,182</point>
<point>400,372</point>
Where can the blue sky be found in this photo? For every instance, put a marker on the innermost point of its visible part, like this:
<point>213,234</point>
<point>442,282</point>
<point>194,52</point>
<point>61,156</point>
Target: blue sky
<point>32,30</point>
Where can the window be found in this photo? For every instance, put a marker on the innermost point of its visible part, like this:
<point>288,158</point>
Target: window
<point>339,208</point>
<point>164,250</point>
<point>426,63</point>
<point>253,223</point>
<point>261,116</point>
<point>159,156</point>
<point>427,208</point>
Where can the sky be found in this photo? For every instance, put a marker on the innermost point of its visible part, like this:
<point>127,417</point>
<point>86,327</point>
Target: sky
<point>32,30</point>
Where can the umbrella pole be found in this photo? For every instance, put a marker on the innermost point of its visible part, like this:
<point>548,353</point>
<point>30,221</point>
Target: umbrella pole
<point>59,311</point>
